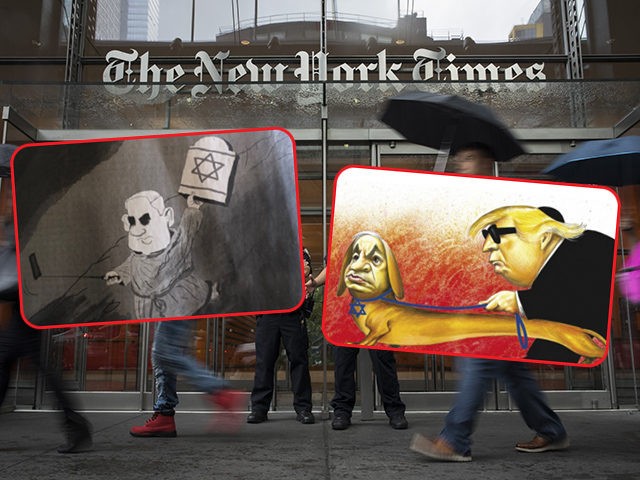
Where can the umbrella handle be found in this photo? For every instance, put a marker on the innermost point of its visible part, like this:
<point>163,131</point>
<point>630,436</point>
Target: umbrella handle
<point>445,149</point>
<point>441,161</point>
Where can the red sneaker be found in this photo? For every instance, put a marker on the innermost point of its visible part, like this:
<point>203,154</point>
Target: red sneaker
<point>157,426</point>
<point>233,404</point>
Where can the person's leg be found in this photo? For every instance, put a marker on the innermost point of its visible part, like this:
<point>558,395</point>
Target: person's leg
<point>267,352</point>
<point>162,423</point>
<point>171,354</point>
<point>344,398</point>
<point>76,428</point>
<point>460,422</point>
<point>384,367</point>
<point>5,372</point>
<point>296,344</point>
<point>165,379</point>
<point>533,407</point>
<point>12,335</point>
<point>7,358</point>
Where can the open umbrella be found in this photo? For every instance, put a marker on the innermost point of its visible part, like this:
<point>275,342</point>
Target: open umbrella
<point>449,122</point>
<point>614,162</point>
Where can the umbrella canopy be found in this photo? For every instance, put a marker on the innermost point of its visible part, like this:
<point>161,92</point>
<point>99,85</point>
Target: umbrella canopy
<point>441,121</point>
<point>604,162</point>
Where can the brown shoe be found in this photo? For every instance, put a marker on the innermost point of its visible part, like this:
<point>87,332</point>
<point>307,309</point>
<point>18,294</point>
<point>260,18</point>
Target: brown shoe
<point>437,449</point>
<point>540,444</point>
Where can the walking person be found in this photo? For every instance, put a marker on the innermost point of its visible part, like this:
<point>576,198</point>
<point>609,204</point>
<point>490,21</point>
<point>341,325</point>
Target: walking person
<point>17,339</point>
<point>160,272</point>
<point>453,444</point>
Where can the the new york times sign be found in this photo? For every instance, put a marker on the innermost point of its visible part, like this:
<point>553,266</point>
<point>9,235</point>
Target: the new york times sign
<point>126,71</point>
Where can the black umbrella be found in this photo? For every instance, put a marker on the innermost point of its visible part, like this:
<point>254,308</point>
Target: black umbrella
<point>614,162</point>
<point>449,122</point>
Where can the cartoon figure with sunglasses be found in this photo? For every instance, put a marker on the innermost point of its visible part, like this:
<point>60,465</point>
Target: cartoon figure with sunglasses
<point>160,268</point>
<point>564,269</point>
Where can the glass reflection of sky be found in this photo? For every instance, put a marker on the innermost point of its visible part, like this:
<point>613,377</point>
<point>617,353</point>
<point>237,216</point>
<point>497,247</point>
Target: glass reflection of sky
<point>469,17</point>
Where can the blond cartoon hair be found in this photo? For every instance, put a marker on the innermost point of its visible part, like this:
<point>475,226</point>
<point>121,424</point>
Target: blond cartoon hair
<point>530,222</point>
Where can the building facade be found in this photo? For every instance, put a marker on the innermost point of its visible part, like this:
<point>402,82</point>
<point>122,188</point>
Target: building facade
<point>71,70</point>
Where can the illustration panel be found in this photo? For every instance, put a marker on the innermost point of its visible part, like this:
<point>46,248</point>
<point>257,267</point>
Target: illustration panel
<point>471,266</point>
<point>158,227</point>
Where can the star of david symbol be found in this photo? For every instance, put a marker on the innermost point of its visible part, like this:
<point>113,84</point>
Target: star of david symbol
<point>357,308</point>
<point>201,166</point>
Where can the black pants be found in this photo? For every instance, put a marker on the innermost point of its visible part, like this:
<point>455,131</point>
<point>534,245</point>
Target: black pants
<point>291,328</point>
<point>18,340</point>
<point>384,367</point>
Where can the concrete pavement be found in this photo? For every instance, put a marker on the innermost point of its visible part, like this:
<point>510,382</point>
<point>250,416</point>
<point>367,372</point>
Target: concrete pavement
<point>605,446</point>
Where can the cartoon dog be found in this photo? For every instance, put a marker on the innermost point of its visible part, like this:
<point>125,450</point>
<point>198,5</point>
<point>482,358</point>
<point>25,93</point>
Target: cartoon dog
<point>371,275</point>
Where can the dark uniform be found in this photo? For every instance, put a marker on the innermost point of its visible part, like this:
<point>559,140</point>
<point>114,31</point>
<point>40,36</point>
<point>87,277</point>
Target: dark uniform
<point>291,329</point>
<point>344,399</point>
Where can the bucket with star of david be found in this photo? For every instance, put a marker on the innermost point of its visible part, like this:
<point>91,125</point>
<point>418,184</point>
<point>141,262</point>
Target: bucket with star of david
<point>208,170</point>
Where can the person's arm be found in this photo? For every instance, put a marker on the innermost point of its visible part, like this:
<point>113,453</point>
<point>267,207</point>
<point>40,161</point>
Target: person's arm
<point>316,282</point>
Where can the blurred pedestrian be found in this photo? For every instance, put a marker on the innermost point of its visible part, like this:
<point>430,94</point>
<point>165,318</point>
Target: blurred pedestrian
<point>160,272</point>
<point>17,339</point>
<point>453,444</point>
<point>290,329</point>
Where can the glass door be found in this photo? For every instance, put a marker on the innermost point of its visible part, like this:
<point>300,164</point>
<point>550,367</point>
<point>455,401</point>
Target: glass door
<point>436,376</point>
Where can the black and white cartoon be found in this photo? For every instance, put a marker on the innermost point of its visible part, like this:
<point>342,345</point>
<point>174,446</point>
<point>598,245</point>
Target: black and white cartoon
<point>160,268</point>
<point>187,223</point>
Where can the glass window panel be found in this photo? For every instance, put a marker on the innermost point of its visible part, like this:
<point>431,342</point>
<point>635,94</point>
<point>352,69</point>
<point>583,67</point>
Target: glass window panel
<point>34,29</point>
<point>311,193</point>
<point>610,27</point>
<point>545,104</point>
<point>273,26</point>
<point>464,27</point>
<point>111,357</point>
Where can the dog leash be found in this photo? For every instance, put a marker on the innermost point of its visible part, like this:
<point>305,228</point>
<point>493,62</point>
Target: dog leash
<point>356,307</point>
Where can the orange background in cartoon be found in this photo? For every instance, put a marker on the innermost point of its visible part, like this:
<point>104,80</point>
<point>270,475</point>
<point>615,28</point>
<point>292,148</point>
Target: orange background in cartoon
<point>438,262</point>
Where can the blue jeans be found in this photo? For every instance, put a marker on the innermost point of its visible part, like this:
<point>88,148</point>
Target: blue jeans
<point>477,375</point>
<point>170,357</point>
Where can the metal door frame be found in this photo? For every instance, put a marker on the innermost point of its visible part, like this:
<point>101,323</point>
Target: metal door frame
<point>383,142</point>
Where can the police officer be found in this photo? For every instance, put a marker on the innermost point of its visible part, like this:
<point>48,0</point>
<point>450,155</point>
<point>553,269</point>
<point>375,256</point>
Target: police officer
<point>291,329</point>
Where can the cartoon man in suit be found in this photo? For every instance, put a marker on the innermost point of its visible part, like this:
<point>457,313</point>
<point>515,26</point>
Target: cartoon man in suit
<point>565,268</point>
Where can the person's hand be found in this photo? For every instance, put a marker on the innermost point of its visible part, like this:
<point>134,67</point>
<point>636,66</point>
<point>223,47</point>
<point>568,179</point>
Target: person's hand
<point>112,278</point>
<point>193,202</point>
<point>504,301</point>
<point>310,285</point>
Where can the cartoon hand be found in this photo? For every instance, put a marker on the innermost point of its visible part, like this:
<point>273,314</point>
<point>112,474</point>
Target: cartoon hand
<point>112,278</point>
<point>504,301</point>
<point>215,292</point>
<point>193,202</point>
